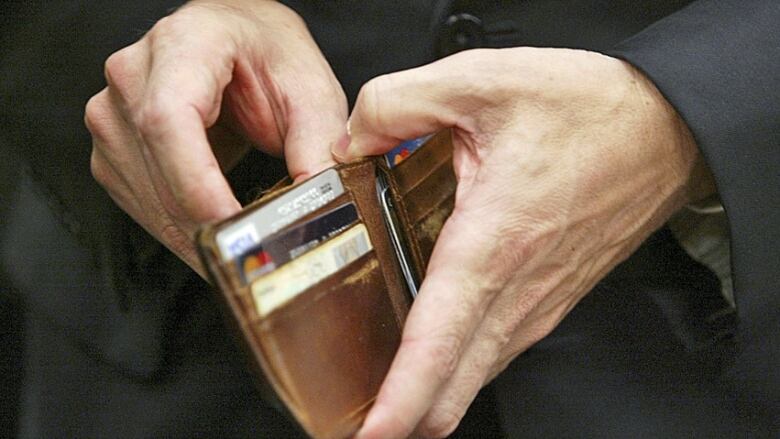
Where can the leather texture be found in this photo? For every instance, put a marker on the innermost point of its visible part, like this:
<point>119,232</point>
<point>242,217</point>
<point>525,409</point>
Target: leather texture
<point>423,188</point>
<point>326,351</point>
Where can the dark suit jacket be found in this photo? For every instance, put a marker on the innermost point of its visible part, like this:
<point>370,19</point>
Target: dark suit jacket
<point>120,299</point>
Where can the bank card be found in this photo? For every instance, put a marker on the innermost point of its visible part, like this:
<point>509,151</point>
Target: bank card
<point>306,197</point>
<point>398,154</point>
<point>283,284</point>
<point>289,243</point>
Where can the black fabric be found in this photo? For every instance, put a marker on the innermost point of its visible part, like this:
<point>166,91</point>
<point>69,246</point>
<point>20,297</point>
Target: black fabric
<point>122,340</point>
<point>363,39</point>
<point>11,338</point>
<point>615,367</point>
<point>717,63</point>
<point>205,391</point>
<point>51,65</point>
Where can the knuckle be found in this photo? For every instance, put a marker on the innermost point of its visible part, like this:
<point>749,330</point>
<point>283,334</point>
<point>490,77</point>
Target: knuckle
<point>152,116</point>
<point>166,25</point>
<point>117,68</point>
<point>175,26</point>
<point>441,423</point>
<point>100,169</point>
<point>445,353</point>
<point>171,234</point>
<point>191,203</point>
<point>96,113</point>
<point>469,58</point>
<point>369,97</point>
<point>473,63</point>
<point>176,239</point>
<point>523,306</point>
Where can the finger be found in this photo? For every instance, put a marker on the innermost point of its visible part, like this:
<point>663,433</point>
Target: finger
<point>409,104</point>
<point>117,163</point>
<point>289,103</point>
<point>142,204</point>
<point>482,359</point>
<point>471,374</point>
<point>317,124</point>
<point>114,145</point>
<point>527,310</point>
<point>126,74</point>
<point>317,110</point>
<point>446,312</point>
<point>183,97</point>
<point>107,176</point>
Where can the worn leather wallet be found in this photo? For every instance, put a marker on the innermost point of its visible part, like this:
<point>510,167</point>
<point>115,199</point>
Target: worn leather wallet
<point>325,345</point>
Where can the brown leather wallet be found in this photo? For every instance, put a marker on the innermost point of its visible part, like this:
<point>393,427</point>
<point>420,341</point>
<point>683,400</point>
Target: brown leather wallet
<point>325,351</point>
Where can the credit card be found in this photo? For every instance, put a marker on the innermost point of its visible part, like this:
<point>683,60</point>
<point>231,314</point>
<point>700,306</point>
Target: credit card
<point>283,284</point>
<point>308,196</point>
<point>404,150</point>
<point>292,242</point>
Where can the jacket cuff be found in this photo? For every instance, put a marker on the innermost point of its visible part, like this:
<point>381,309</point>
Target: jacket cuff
<point>717,63</point>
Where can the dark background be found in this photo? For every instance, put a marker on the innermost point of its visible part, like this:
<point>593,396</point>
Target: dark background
<point>51,61</point>
<point>51,57</point>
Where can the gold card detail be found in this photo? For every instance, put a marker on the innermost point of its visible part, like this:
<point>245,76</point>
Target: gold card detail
<point>283,284</point>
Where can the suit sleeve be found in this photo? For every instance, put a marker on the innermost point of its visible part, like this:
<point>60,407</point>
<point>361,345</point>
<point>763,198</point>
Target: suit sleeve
<point>718,64</point>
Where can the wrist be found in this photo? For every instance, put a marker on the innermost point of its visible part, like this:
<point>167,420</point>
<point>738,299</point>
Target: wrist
<point>680,150</point>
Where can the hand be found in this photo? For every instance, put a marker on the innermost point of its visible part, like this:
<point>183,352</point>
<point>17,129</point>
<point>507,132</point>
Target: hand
<point>566,161</point>
<point>219,71</point>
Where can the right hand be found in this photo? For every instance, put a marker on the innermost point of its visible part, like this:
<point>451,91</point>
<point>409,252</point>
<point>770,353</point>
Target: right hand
<point>213,70</point>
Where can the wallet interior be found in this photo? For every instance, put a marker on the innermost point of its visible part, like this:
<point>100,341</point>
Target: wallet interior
<point>423,188</point>
<point>326,351</point>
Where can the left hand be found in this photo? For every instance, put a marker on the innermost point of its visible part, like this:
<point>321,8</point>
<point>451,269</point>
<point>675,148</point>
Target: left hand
<point>566,161</point>
<point>184,103</point>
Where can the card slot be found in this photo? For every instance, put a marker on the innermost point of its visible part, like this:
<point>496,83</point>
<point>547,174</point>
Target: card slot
<point>247,303</point>
<point>425,231</point>
<point>278,287</point>
<point>323,287</point>
<point>332,344</point>
<point>419,165</point>
<point>430,192</point>
<point>423,188</point>
<point>408,181</point>
<point>233,272</point>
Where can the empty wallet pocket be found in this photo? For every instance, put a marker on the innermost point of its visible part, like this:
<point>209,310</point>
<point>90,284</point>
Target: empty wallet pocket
<point>332,345</point>
<point>424,188</point>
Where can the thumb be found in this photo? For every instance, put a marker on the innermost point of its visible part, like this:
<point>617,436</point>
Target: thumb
<point>405,105</point>
<point>452,300</point>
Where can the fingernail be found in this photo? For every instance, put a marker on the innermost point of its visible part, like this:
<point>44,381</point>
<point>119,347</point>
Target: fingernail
<point>341,147</point>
